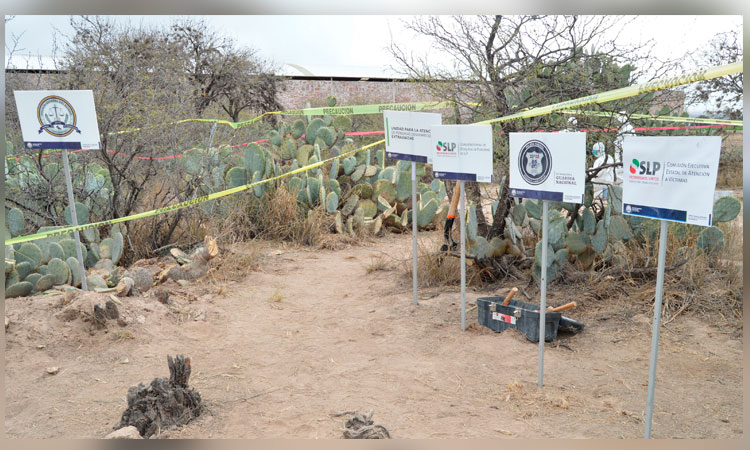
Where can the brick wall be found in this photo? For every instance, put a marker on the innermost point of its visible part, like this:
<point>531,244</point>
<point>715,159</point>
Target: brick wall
<point>297,93</point>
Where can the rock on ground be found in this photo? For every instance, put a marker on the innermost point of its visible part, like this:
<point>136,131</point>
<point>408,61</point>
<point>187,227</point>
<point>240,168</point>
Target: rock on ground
<point>130,432</point>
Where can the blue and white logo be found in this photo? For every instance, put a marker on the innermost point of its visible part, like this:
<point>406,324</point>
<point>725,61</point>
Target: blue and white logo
<point>534,162</point>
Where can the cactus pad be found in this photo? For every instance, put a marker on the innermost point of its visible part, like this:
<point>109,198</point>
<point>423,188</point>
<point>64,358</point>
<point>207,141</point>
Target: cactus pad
<point>298,129</point>
<point>711,240</point>
<point>363,190</point>
<point>236,176</point>
<point>24,269</point>
<point>16,223</point>
<point>332,202</point>
<point>576,242</point>
<point>426,213</point>
<point>518,213</point>
<point>75,270</point>
<point>29,252</point>
<point>116,248</point>
<point>59,271</point>
<point>589,221</point>
<point>312,130</point>
<point>358,172</point>
<point>254,159</point>
<point>619,229</point>
<point>368,209</point>
<point>20,289</point>
<point>725,209</point>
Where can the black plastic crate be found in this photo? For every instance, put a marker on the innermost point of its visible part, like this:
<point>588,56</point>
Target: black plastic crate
<point>522,316</point>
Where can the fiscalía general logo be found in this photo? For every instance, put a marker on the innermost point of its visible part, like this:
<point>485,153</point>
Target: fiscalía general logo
<point>534,162</point>
<point>56,116</point>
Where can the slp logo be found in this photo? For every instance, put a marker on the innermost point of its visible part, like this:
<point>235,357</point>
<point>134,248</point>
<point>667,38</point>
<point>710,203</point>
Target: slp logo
<point>446,146</point>
<point>534,162</point>
<point>56,116</point>
<point>644,167</point>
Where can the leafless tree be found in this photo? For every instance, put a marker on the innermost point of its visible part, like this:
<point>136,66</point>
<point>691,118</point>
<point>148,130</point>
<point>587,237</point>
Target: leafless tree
<point>492,66</point>
<point>724,94</point>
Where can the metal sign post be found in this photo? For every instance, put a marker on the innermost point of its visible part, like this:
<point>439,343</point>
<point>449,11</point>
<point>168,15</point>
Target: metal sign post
<point>407,138</point>
<point>668,178</point>
<point>543,282</point>
<point>657,325</point>
<point>74,216</point>
<point>414,225</point>
<point>60,120</point>
<point>462,224</point>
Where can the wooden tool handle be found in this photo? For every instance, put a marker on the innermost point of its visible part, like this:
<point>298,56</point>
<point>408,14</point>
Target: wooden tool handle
<point>454,201</point>
<point>510,296</point>
<point>562,307</point>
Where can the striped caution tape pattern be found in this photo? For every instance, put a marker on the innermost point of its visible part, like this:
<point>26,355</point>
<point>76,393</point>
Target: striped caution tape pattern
<point>185,204</point>
<point>619,94</point>
<point>616,94</point>
<point>657,118</point>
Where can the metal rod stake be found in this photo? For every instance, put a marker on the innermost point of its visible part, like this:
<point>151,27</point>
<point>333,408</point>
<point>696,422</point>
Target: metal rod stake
<point>74,216</point>
<point>543,282</point>
<point>657,325</point>
<point>414,225</point>
<point>462,223</point>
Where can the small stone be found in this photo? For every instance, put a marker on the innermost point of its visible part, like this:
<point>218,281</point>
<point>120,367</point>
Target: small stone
<point>130,432</point>
<point>7,322</point>
<point>53,370</point>
<point>140,319</point>
<point>183,283</point>
<point>40,346</point>
<point>123,322</point>
<point>125,361</point>
<point>162,295</point>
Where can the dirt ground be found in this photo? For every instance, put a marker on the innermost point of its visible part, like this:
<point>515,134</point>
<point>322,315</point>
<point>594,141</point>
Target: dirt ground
<point>306,334</point>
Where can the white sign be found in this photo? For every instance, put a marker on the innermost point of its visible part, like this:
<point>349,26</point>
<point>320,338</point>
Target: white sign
<point>462,152</point>
<point>58,119</point>
<point>670,177</point>
<point>548,166</point>
<point>408,136</point>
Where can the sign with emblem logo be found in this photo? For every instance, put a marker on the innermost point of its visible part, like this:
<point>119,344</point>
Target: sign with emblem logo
<point>408,135</point>
<point>670,177</point>
<point>462,152</point>
<point>58,119</point>
<point>548,166</point>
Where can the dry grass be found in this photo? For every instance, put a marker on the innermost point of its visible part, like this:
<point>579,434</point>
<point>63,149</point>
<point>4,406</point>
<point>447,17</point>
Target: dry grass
<point>278,217</point>
<point>435,268</point>
<point>235,263</point>
<point>276,297</point>
<point>378,263</point>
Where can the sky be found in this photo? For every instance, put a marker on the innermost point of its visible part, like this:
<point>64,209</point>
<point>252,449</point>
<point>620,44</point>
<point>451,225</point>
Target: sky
<point>317,42</point>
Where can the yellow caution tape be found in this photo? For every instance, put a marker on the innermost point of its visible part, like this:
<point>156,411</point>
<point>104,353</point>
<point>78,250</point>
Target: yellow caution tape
<point>617,94</point>
<point>205,198</point>
<point>630,91</point>
<point>657,118</point>
<point>325,110</point>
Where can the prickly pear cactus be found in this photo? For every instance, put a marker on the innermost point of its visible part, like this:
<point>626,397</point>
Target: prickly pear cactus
<point>426,213</point>
<point>298,129</point>
<point>236,176</point>
<point>20,289</point>
<point>332,202</point>
<point>725,209</point>
<point>29,252</point>
<point>16,223</point>
<point>59,270</point>
<point>711,240</point>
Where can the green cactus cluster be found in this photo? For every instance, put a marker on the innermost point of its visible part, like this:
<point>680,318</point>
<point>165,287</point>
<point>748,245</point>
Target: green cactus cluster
<point>37,266</point>
<point>595,233</point>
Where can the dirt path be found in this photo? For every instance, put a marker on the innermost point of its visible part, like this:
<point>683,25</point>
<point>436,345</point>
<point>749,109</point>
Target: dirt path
<point>313,334</point>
